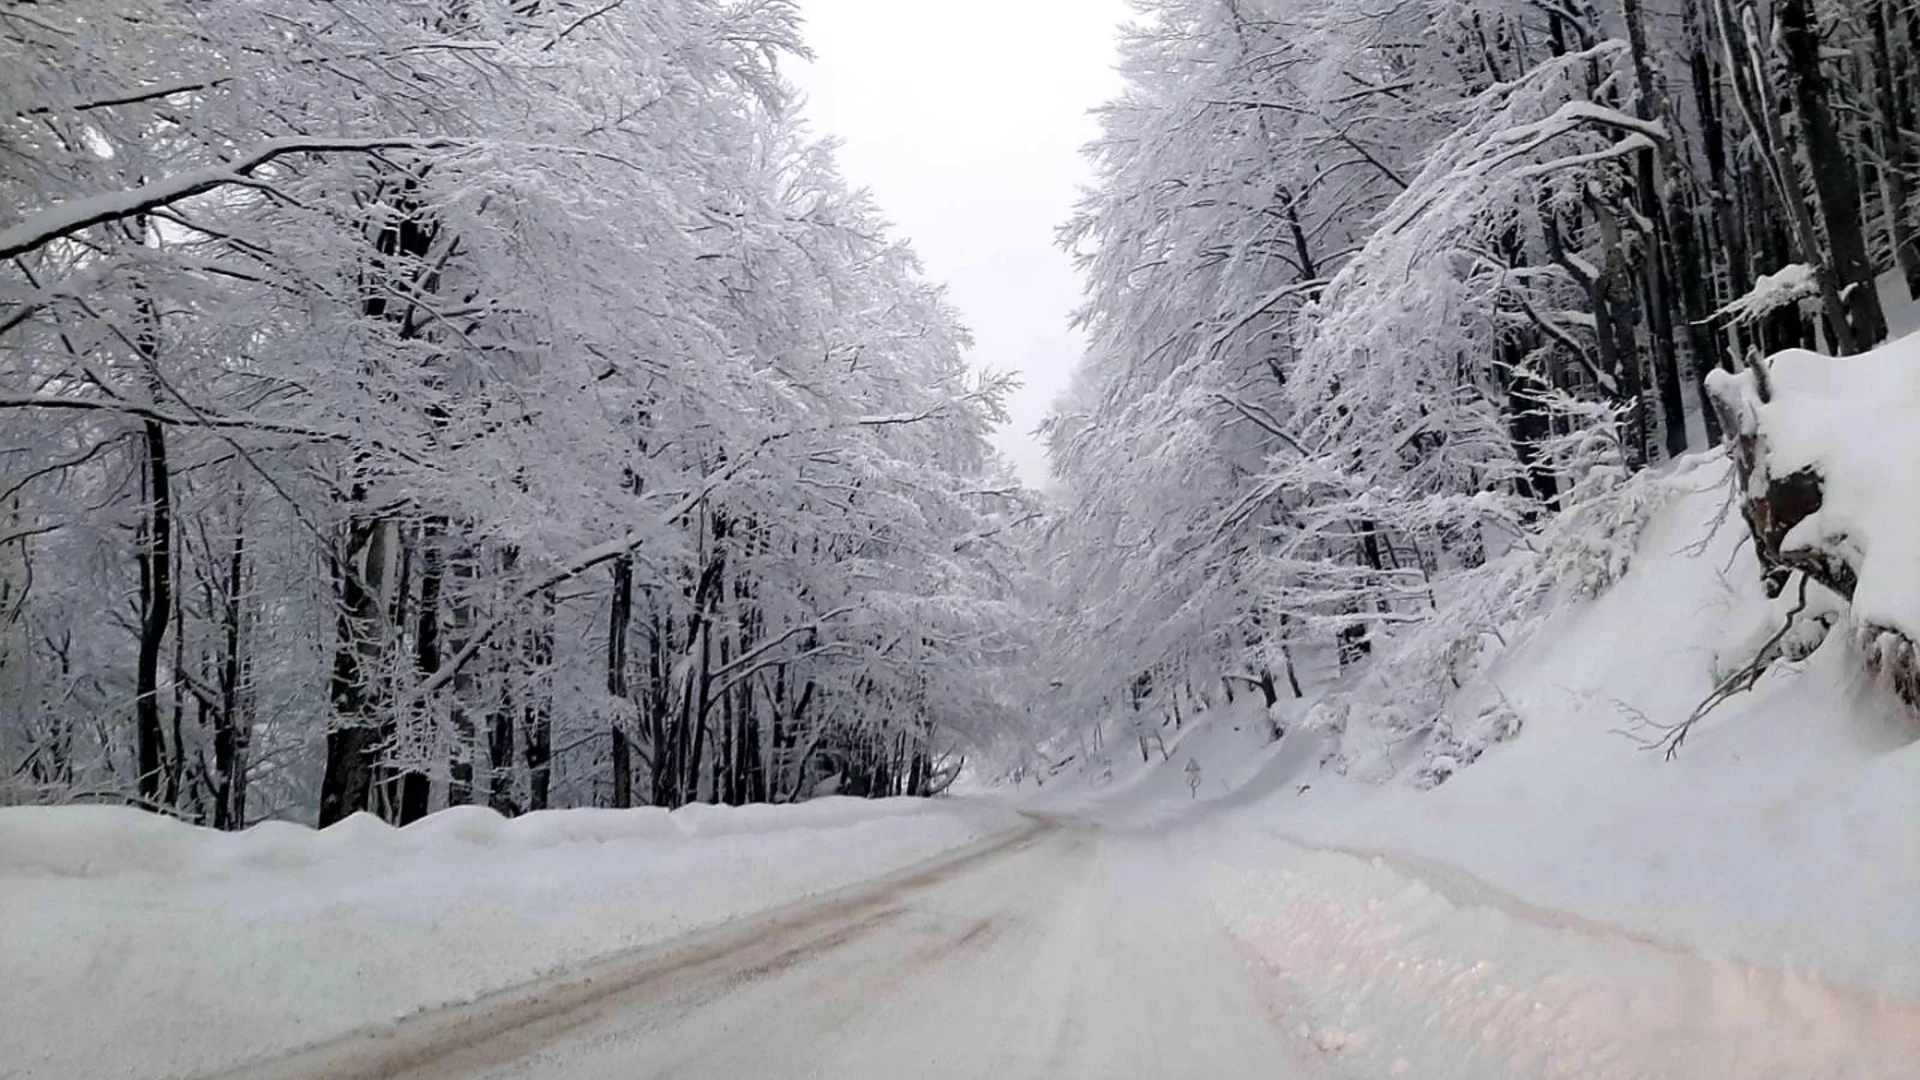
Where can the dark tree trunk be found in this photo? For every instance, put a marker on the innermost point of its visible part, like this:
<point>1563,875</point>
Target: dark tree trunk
<point>416,789</point>
<point>155,558</point>
<point>459,625</point>
<point>1658,292</point>
<point>619,617</point>
<point>537,717</point>
<point>227,757</point>
<point>346,787</point>
<point>1836,187</point>
<point>1894,146</point>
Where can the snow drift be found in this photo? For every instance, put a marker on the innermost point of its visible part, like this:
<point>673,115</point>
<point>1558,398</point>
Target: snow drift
<point>1825,450</point>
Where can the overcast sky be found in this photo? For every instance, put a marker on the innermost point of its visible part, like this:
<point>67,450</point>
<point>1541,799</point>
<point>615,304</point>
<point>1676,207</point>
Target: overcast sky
<point>966,119</point>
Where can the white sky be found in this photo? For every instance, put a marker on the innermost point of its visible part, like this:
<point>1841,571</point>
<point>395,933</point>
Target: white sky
<point>965,118</point>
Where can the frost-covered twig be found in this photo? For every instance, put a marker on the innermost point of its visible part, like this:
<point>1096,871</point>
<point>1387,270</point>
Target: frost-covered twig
<point>66,218</point>
<point>1739,681</point>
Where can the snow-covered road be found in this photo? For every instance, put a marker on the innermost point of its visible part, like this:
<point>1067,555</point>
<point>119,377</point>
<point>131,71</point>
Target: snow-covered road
<point>1061,951</point>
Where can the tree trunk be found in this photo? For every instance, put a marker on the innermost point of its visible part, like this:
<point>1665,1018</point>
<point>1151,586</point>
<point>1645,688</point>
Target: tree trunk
<point>1894,148</point>
<point>1835,187</point>
<point>537,714</point>
<point>226,722</point>
<point>416,788</point>
<point>359,569</point>
<point>619,617</point>
<point>1658,291</point>
<point>459,626</point>
<point>155,557</point>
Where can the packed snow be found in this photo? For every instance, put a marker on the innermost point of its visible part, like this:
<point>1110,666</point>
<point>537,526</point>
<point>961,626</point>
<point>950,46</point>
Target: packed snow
<point>127,932</point>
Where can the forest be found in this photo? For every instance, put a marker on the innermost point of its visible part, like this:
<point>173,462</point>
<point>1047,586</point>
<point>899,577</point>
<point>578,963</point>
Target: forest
<point>415,403</point>
<point>1393,308</point>
<point>410,404</point>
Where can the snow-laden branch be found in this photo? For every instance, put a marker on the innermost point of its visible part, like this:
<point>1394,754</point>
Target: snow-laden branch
<point>159,415</point>
<point>66,218</point>
<point>1788,285</point>
<point>614,549</point>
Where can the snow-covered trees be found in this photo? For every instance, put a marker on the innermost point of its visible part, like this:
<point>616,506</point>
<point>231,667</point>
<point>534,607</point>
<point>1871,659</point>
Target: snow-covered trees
<point>1375,292</point>
<point>445,401</point>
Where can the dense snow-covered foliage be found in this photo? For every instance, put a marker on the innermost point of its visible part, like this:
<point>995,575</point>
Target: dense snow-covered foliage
<point>1390,308</point>
<point>444,401</point>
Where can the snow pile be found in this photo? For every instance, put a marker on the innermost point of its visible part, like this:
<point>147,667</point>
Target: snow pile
<point>1849,421</point>
<point>1403,709</point>
<point>118,925</point>
<point>1577,904</point>
<point>1781,833</point>
<point>101,841</point>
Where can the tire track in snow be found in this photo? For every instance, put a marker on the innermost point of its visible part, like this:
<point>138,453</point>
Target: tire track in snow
<point>511,1024</point>
<point>1420,968</point>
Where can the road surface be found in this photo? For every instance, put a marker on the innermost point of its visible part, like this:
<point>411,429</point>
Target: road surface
<point>1063,951</point>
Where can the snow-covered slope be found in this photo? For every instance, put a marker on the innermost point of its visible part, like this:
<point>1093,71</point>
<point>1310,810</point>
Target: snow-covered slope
<point>1574,903</point>
<point>1782,832</point>
<point>138,946</point>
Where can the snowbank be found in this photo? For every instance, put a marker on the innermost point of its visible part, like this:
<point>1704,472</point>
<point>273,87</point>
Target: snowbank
<point>123,930</point>
<point>1573,903</point>
<point>1782,834</point>
<point>1849,420</point>
<point>104,841</point>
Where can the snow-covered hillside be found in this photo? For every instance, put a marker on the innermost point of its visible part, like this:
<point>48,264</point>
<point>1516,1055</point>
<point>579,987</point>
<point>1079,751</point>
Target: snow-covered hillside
<point>1575,902</point>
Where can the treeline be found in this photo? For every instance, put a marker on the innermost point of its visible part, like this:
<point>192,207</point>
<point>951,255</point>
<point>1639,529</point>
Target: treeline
<point>417,403</point>
<point>1379,292</point>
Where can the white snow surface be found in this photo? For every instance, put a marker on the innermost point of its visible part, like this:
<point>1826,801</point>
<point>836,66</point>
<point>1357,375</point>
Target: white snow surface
<point>135,945</point>
<point>1573,904</point>
<point>1781,834</point>
<point>1570,904</point>
<point>1849,417</point>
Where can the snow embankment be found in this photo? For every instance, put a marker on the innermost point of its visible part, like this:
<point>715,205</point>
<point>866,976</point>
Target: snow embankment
<point>1574,903</point>
<point>1783,833</point>
<point>124,932</point>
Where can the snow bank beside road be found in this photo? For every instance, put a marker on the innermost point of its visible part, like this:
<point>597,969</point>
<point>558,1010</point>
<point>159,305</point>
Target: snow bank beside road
<point>1575,904</point>
<point>103,841</point>
<point>138,946</point>
<point>1782,834</point>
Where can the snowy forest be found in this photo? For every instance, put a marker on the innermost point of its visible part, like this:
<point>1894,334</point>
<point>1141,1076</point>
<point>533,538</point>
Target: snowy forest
<point>409,404</point>
<point>416,403</point>
<point>1393,308</point>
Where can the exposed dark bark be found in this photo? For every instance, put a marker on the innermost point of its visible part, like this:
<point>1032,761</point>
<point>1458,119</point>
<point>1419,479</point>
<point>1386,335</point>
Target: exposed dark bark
<point>228,736</point>
<point>1836,188</point>
<point>154,554</point>
<point>416,788</point>
<point>620,615</point>
<point>537,713</point>
<point>1894,144</point>
<point>1658,293</point>
<point>360,571</point>
<point>460,718</point>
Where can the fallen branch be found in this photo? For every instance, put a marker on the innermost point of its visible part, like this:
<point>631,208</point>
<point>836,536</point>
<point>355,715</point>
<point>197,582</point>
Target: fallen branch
<point>1673,736</point>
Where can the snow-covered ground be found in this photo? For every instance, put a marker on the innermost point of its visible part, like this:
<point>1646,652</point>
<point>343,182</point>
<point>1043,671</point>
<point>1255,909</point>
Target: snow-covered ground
<point>1782,832</point>
<point>1571,904</point>
<point>133,945</point>
<point>1575,904</point>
